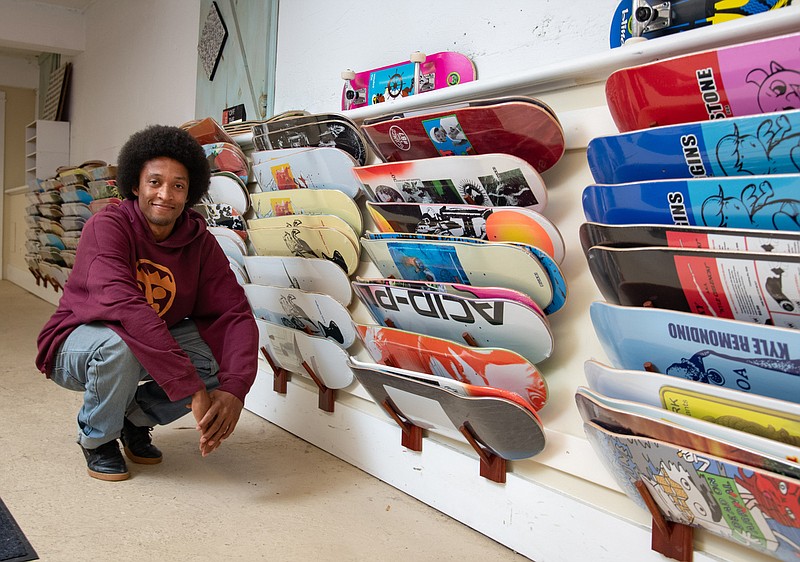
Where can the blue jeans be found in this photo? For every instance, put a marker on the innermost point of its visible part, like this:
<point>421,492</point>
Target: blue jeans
<point>94,360</point>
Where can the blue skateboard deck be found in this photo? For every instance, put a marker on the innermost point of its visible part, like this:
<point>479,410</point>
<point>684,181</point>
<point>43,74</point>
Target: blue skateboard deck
<point>756,202</point>
<point>753,145</point>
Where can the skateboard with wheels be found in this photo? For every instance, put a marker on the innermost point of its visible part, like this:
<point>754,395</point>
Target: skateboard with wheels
<point>732,239</point>
<point>747,505</point>
<point>307,274</point>
<point>649,19</point>
<point>499,421</point>
<point>488,180</point>
<point>768,417</point>
<point>497,224</point>
<point>484,322</point>
<point>748,357</point>
<point>312,130</point>
<point>556,279</point>
<point>308,202</point>
<point>312,313</point>
<point>750,286</point>
<point>757,202</point>
<point>522,127</point>
<point>747,79</point>
<point>227,157</point>
<point>308,221</point>
<point>313,168</point>
<point>751,145</point>
<point>228,188</point>
<point>421,73</point>
<point>305,242</point>
<point>495,367</point>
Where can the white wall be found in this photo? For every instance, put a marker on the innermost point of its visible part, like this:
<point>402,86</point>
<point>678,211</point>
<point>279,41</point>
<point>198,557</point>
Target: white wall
<point>19,72</point>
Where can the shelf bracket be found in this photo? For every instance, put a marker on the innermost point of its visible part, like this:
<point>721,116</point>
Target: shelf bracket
<point>327,396</point>
<point>492,467</point>
<point>412,434</point>
<point>673,540</point>
<point>280,375</point>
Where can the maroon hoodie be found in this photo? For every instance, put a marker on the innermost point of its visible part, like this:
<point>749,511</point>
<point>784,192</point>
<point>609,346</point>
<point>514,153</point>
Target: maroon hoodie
<point>140,288</point>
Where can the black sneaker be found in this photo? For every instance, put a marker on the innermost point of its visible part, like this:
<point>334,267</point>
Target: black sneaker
<point>138,444</point>
<point>106,462</point>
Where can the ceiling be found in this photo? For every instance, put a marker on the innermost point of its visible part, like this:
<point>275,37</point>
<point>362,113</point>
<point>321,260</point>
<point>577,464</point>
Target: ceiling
<point>74,5</point>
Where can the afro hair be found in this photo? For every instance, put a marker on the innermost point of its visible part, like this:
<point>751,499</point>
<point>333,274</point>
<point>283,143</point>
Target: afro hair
<point>159,141</point>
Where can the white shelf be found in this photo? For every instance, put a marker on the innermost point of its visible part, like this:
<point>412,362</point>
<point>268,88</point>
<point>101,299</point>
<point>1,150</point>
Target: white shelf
<point>46,148</point>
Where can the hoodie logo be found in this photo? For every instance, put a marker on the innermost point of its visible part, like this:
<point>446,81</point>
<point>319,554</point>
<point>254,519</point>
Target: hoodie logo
<point>157,284</point>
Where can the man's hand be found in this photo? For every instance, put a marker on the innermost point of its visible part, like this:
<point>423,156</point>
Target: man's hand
<point>217,414</point>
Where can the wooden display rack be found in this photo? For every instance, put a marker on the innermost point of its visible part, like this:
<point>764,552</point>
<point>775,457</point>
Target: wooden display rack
<point>327,396</point>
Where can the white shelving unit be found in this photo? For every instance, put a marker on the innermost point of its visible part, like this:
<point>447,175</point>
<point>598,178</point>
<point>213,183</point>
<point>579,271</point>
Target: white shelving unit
<point>46,148</point>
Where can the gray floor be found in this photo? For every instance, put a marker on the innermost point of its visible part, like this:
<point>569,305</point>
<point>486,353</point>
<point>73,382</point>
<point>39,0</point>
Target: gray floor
<point>264,495</point>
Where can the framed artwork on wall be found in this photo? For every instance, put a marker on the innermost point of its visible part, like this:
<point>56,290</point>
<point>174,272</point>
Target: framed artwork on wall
<point>212,41</point>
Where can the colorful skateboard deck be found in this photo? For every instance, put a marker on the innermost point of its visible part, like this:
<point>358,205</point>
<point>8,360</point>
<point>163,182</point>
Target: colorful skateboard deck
<point>500,224</point>
<point>393,82</point>
<point>304,242</point>
<point>489,180</point>
<point>207,131</point>
<point>227,157</point>
<point>308,221</point>
<point>308,202</point>
<point>747,79</point>
<point>312,313</point>
<point>507,427</point>
<point>749,286</point>
<point>758,202</point>
<point>733,239</point>
<point>746,505</point>
<point>461,262</point>
<point>478,322</point>
<point>495,367</point>
<point>594,407</point>
<point>307,274</point>
<point>314,168</point>
<point>666,18</point>
<point>521,127</point>
<point>753,145</point>
<point>768,417</point>
<point>289,349</point>
<point>748,357</point>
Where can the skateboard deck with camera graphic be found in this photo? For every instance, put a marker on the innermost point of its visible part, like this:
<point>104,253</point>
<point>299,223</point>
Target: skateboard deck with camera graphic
<point>307,274</point>
<point>739,146</point>
<point>305,168</point>
<point>308,202</point>
<point>743,356</point>
<point>522,127</point>
<point>481,322</point>
<point>746,79</point>
<point>393,82</point>
<point>301,241</point>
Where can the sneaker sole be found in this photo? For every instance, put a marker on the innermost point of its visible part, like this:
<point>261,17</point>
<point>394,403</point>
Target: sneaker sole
<point>108,477</point>
<point>141,460</point>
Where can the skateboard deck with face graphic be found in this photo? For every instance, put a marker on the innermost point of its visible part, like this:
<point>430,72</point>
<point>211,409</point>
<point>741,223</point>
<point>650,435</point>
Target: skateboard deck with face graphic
<point>522,127</point>
<point>741,503</point>
<point>312,313</point>
<point>500,421</point>
<point>390,83</point>
<point>752,145</point>
<point>308,202</point>
<point>479,322</point>
<point>748,357</point>
<point>310,168</point>
<point>488,180</point>
<point>307,274</point>
<point>749,286</point>
<point>747,79</point>
<point>499,224</point>
<point>305,242</point>
<point>495,367</point>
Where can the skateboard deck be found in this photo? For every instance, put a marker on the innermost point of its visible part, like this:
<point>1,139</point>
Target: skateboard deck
<point>488,180</point>
<point>461,262</point>
<point>315,168</point>
<point>233,236</point>
<point>289,349</point>
<point>774,419</point>
<point>506,426</point>
<point>308,202</point>
<point>751,145</point>
<point>300,241</point>
<point>207,131</point>
<point>227,157</point>
<point>733,239</point>
<point>521,127</point>
<point>666,18</point>
<point>495,367</point>
<point>308,221</point>
<point>222,214</point>
<point>751,358</point>
<point>757,202</point>
<point>743,504</point>
<point>397,81</point>
<point>746,79</point>
<point>479,322</point>
<point>312,130</point>
<point>500,224</point>
<point>312,313</point>
<point>226,188</point>
<point>749,286</point>
<point>307,274</point>
<point>557,281</point>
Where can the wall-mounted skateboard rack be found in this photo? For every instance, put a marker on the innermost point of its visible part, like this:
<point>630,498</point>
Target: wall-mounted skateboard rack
<point>327,396</point>
<point>673,540</point>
